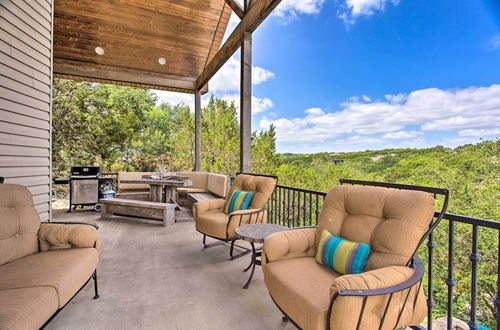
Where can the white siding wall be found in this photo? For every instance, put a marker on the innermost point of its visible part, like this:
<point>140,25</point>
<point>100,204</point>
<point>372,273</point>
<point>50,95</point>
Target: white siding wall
<point>25,85</point>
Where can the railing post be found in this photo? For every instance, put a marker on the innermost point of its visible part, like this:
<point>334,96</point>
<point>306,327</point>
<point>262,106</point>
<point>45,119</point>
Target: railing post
<point>450,281</point>
<point>430,294</point>
<point>474,258</point>
<point>497,299</point>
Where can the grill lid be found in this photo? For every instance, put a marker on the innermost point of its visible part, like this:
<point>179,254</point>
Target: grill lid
<point>85,171</point>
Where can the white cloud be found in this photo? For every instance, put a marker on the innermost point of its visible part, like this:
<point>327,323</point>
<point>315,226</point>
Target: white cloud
<point>258,104</point>
<point>429,109</point>
<point>481,133</point>
<point>289,9</point>
<point>228,77</point>
<point>401,135</point>
<point>174,98</point>
<point>353,9</point>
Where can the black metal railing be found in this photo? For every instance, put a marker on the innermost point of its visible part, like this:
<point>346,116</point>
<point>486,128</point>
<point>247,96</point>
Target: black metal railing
<point>294,207</point>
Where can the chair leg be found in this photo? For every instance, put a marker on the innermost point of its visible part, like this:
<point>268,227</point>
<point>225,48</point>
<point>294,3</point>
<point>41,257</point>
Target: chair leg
<point>205,241</point>
<point>96,291</point>
<point>284,319</point>
<point>232,249</point>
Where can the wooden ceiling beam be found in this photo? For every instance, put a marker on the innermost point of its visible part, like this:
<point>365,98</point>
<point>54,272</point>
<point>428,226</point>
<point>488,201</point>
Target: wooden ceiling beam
<point>93,72</point>
<point>237,9</point>
<point>257,13</point>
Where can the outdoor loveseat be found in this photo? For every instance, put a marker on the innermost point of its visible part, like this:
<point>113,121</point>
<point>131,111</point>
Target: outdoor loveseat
<point>42,265</point>
<point>389,294</point>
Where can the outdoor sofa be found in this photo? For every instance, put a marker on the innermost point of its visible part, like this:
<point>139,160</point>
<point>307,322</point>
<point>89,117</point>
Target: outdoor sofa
<point>42,265</point>
<point>216,185</point>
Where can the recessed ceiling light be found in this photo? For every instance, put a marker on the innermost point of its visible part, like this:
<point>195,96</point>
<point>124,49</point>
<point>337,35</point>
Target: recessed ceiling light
<point>99,50</point>
<point>162,61</point>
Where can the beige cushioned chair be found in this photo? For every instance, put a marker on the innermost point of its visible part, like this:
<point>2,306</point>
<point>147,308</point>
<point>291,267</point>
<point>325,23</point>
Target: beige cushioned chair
<point>42,265</point>
<point>388,294</point>
<point>211,220</point>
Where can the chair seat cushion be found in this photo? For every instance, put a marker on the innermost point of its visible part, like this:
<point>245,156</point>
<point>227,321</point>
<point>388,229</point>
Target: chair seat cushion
<point>213,224</point>
<point>187,190</point>
<point>27,308</point>
<point>64,270</point>
<point>301,288</point>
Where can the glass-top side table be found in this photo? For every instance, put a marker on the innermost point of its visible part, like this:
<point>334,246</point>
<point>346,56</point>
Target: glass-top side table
<point>256,233</point>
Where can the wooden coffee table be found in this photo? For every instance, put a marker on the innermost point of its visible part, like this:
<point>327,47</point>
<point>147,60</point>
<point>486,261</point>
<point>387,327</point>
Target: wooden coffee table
<point>256,234</point>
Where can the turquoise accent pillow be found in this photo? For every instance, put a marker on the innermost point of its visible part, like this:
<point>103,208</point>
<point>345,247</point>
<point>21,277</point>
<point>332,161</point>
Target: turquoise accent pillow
<point>343,256</point>
<point>240,200</point>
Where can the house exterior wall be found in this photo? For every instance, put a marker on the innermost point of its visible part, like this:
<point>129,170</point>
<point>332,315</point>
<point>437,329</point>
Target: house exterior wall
<point>25,96</point>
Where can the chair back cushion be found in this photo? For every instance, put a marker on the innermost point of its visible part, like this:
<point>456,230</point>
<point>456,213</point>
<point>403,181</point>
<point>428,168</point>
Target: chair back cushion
<point>262,187</point>
<point>240,200</point>
<point>217,184</point>
<point>391,221</point>
<point>19,223</point>
<point>199,179</point>
<point>131,176</point>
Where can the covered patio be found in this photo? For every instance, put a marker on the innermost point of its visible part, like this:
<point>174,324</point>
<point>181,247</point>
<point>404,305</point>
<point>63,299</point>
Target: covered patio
<point>152,277</point>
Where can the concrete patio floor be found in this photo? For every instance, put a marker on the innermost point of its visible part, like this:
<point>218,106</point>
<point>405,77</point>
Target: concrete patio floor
<point>155,277</point>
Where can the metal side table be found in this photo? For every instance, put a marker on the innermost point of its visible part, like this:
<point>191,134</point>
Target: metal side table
<point>256,233</point>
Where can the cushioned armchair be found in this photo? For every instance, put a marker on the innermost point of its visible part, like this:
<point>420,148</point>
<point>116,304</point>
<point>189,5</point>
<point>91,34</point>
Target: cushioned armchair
<point>389,294</point>
<point>211,220</point>
<point>42,265</point>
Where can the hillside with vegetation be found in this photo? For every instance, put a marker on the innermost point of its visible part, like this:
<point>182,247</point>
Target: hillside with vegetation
<point>125,129</point>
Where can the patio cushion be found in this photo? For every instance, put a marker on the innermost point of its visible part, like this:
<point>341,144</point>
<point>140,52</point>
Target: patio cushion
<point>343,256</point>
<point>187,190</point>
<point>132,186</point>
<point>372,215</point>
<point>212,224</point>
<point>27,308</point>
<point>262,188</point>
<point>240,200</point>
<point>304,295</point>
<point>64,270</point>
<point>19,223</point>
<point>199,179</point>
<point>217,184</point>
<point>54,236</point>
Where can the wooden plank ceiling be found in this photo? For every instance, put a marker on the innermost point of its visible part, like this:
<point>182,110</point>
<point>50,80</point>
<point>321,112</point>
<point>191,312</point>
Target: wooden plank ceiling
<point>134,35</point>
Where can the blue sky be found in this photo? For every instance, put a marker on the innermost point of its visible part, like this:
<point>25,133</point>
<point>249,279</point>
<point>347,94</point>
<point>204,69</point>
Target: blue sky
<point>351,75</point>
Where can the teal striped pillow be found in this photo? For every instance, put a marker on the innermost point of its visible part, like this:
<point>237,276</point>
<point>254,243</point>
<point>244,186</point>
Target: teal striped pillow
<point>240,200</point>
<point>343,256</point>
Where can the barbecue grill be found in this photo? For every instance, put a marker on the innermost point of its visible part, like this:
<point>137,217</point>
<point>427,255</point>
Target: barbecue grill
<point>86,186</point>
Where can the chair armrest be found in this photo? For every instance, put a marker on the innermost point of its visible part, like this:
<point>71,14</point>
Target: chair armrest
<point>363,297</point>
<point>208,206</point>
<point>244,217</point>
<point>288,244</point>
<point>56,236</point>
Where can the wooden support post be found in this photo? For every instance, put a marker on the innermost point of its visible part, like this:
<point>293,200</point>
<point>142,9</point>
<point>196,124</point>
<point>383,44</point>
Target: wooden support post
<point>197,131</point>
<point>246,100</point>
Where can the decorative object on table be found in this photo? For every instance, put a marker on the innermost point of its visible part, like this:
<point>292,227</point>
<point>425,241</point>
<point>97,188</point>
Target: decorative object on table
<point>256,234</point>
<point>394,219</point>
<point>240,200</point>
<point>211,220</point>
<point>341,255</point>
